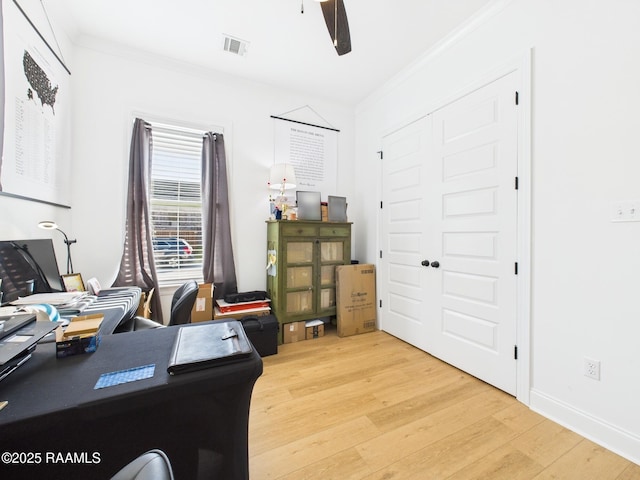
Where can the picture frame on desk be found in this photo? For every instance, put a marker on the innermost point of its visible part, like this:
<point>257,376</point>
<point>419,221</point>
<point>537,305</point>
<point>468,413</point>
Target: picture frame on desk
<point>73,282</point>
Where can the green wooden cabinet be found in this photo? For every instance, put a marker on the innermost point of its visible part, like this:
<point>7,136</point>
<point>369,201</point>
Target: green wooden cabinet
<point>303,256</point>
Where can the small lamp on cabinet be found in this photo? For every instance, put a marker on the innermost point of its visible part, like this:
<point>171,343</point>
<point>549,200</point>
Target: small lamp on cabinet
<point>282,177</point>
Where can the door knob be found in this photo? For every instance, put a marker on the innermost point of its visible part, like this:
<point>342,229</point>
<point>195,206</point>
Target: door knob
<point>425,263</point>
<point>435,264</point>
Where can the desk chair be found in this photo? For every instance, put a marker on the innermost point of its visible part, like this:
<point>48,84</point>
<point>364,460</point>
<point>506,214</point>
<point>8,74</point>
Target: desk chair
<point>181,305</point>
<point>152,465</point>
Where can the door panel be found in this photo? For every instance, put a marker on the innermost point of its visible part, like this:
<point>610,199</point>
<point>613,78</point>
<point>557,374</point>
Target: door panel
<point>474,330</point>
<point>403,240</point>
<point>474,158</point>
<point>449,197</point>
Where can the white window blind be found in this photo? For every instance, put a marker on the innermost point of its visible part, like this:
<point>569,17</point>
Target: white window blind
<point>176,203</point>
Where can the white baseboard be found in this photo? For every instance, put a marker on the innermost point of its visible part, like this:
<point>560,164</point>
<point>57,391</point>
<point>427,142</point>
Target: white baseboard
<point>611,437</point>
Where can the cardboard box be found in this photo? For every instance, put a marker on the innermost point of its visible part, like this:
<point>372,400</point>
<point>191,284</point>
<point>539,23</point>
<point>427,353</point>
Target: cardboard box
<point>82,335</point>
<point>356,299</point>
<point>202,310</point>
<point>315,331</point>
<point>144,307</point>
<point>293,332</point>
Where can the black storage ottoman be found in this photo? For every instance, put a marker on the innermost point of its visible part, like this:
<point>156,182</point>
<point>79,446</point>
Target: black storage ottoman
<point>263,333</point>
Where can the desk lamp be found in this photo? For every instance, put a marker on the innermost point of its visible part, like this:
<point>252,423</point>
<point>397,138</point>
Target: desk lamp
<point>49,225</point>
<point>282,176</point>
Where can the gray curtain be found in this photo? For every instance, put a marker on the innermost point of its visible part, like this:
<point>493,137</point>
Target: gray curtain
<point>218,266</point>
<point>137,267</point>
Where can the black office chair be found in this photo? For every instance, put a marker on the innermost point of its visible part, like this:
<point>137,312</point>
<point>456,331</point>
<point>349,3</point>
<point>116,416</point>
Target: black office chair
<point>181,305</point>
<point>152,465</point>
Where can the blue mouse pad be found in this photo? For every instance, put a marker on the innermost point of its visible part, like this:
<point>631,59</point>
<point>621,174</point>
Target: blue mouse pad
<point>125,376</point>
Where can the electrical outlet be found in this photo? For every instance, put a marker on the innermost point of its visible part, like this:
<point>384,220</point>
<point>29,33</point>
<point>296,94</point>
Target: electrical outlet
<point>625,211</point>
<point>618,212</point>
<point>592,368</point>
<point>633,211</point>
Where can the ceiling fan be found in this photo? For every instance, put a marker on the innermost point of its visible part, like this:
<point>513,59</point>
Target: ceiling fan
<point>335,16</point>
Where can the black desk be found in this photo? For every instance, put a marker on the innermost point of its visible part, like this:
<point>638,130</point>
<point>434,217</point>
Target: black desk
<point>199,419</point>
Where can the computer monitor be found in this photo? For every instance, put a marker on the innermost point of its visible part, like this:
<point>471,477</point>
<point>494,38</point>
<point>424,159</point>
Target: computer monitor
<point>28,266</point>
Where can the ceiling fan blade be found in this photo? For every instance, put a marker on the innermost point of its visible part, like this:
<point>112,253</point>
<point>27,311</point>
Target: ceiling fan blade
<point>343,37</point>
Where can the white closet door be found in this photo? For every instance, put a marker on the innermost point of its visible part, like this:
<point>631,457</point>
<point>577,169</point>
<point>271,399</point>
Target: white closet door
<point>450,200</point>
<point>404,216</point>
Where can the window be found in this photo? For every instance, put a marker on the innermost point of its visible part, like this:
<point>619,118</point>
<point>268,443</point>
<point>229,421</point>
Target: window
<point>176,204</point>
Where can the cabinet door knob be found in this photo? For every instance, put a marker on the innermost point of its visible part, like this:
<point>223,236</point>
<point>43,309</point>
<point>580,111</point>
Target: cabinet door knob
<point>424,263</point>
<point>435,264</point>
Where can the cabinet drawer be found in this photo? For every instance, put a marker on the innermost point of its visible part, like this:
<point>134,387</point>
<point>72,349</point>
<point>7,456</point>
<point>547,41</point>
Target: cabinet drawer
<point>335,231</point>
<point>299,230</point>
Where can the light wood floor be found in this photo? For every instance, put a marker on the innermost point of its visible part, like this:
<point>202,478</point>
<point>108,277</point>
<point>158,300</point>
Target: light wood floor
<point>373,407</point>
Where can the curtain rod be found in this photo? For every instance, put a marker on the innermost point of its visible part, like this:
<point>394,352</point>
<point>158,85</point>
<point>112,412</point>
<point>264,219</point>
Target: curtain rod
<point>40,35</point>
<point>303,123</point>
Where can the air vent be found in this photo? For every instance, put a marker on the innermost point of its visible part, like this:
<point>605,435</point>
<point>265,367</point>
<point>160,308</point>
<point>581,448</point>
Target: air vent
<point>235,45</point>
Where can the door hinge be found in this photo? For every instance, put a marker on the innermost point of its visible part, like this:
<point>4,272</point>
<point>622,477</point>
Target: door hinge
<point>380,204</point>
<point>517,183</point>
<point>517,98</point>
<point>380,303</point>
<point>380,253</point>
<point>515,352</point>
<point>381,154</point>
<point>516,268</point>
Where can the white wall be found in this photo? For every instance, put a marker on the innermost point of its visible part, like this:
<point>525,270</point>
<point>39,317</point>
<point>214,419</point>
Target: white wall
<point>585,269</point>
<point>19,218</point>
<point>111,87</point>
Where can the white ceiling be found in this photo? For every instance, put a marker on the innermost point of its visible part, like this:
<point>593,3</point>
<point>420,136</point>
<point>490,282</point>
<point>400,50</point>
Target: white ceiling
<point>287,48</point>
